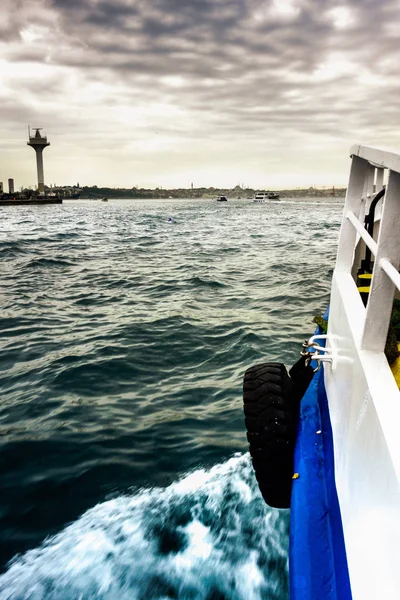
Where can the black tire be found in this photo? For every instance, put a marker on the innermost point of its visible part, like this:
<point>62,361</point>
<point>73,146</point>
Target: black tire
<point>271,407</point>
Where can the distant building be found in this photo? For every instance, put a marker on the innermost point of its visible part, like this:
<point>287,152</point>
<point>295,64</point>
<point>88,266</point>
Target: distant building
<point>11,186</point>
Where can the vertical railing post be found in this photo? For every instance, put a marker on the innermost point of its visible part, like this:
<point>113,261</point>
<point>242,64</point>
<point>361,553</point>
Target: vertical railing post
<point>354,200</point>
<point>380,300</point>
<point>379,179</point>
<point>368,191</point>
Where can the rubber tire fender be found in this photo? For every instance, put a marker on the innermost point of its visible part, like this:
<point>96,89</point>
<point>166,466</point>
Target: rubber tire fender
<point>271,408</point>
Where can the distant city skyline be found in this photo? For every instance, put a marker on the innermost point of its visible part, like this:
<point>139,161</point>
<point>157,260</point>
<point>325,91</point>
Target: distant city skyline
<point>270,94</point>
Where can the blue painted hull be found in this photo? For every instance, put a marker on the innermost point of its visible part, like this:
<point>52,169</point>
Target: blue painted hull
<point>317,556</point>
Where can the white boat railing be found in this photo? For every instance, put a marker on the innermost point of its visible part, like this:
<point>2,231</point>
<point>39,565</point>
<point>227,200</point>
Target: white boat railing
<point>363,396</point>
<point>368,167</point>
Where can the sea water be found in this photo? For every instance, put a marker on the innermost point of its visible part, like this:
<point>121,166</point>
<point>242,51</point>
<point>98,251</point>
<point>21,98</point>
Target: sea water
<point>125,330</point>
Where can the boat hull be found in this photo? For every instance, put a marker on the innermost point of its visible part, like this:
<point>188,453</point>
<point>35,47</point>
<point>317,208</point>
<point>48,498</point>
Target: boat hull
<point>30,202</point>
<point>317,556</point>
<point>365,413</point>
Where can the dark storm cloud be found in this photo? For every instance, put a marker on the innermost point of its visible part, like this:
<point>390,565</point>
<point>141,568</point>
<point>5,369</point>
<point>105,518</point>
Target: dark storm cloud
<point>221,30</point>
<point>224,41</point>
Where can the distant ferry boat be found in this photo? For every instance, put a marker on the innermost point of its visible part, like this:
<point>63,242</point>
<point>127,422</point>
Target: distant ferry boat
<point>222,199</point>
<point>263,196</point>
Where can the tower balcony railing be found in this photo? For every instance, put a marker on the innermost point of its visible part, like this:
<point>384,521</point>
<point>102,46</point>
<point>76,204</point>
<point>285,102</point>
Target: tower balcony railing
<point>42,141</point>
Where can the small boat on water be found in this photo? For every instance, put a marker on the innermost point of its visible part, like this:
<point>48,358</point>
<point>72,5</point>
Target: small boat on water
<point>324,438</point>
<point>264,196</point>
<point>222,199</point>
<point>104,199</point>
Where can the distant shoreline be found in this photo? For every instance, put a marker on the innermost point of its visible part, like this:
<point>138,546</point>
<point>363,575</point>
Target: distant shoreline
<point>94,193</point>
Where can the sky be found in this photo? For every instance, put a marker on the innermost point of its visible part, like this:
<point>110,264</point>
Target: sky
<point>165,93</point>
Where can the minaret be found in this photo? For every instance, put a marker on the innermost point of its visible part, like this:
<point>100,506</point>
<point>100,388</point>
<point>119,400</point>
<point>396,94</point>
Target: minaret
<point>39,143</point>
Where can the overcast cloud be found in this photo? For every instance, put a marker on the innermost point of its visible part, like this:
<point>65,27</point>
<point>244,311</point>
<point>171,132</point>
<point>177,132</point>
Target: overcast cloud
<point>215,92</point>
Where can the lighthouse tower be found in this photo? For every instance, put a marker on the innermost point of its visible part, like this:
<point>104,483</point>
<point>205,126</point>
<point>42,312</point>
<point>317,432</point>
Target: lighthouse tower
<point>38,143</point>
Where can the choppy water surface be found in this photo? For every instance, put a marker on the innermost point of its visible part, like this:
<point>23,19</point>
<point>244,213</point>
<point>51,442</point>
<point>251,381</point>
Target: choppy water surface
<point>124,470</point>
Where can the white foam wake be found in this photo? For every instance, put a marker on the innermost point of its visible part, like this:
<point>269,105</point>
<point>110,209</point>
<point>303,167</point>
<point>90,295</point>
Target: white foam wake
<point>207,536</point>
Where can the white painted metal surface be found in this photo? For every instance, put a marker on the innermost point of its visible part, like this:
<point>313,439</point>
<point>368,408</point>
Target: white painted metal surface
<point>364,400</point>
